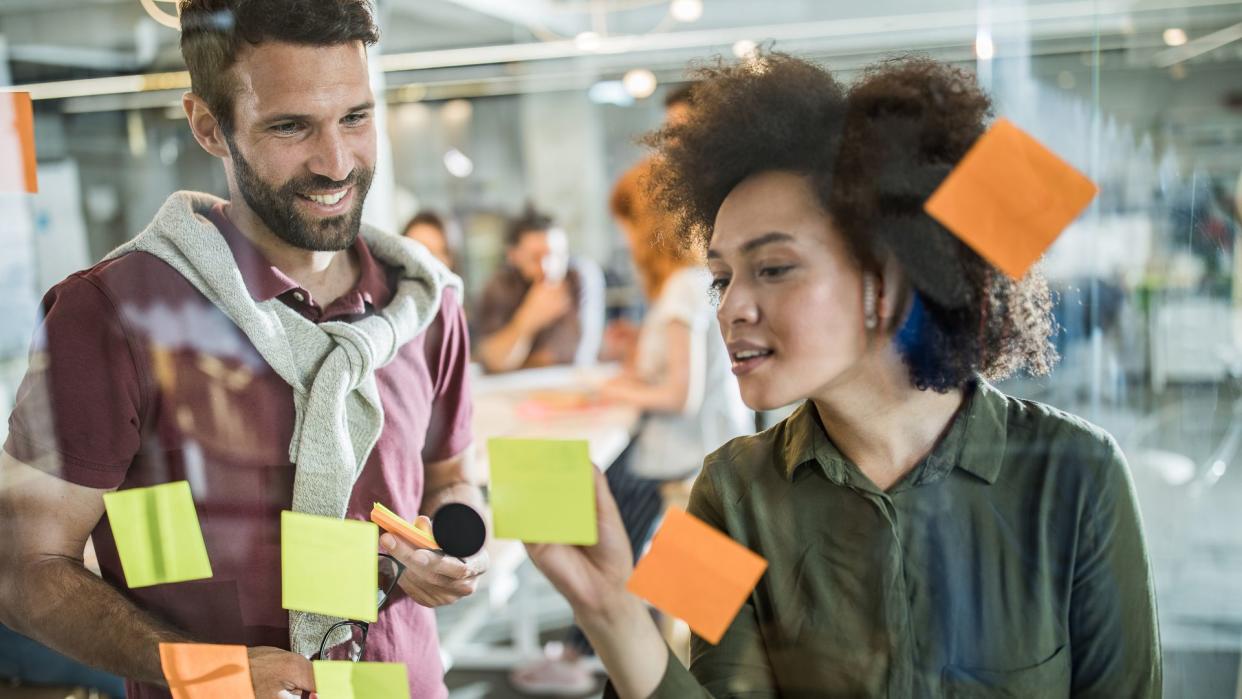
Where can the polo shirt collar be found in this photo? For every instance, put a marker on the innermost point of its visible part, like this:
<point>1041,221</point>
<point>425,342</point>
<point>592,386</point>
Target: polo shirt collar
<point>374,283</point>
<point>262,279</point>
<point>974,443</point>
<point>265,281</point>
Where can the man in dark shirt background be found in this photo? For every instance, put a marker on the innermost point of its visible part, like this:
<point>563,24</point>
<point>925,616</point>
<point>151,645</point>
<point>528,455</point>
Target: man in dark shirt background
<point>530,312</point>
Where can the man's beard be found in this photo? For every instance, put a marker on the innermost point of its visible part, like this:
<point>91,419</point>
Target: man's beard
<point>277,207</point>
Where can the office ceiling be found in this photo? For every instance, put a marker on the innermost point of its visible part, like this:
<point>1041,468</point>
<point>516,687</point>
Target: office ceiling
<point>49,40</point>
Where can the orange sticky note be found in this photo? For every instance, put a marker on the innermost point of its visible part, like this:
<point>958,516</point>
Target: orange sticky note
<point>206,671</point>
<point>697,574</point>
<point>18,170</point>
<point>392,523</point>
<point>1010,197</point>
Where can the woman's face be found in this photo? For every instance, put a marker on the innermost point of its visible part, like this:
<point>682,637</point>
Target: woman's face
<point>791,309</point>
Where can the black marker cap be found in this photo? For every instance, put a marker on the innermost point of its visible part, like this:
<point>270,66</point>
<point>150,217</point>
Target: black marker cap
<point>459,530</point>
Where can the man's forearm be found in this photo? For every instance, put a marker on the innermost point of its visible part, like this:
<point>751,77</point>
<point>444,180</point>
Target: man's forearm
<point>462,492</point>
<point>507,348</point>
<point>60,604</point>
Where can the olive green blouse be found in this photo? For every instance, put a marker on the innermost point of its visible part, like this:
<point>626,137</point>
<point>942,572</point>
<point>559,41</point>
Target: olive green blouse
<point>1010,562</point>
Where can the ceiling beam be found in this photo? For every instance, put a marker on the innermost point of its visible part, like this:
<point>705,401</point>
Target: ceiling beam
<point>530,15</point>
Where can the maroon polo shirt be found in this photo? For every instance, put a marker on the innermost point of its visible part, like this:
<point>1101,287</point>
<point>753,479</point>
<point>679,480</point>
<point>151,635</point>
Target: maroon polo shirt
<point>137,379</point>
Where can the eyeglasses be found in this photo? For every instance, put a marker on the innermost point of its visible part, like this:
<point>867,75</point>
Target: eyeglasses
<point>347,640</point>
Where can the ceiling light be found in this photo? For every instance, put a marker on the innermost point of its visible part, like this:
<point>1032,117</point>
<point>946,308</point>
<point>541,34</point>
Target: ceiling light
<point>413,92</point>
<point>745,49</point>
<point>587,41</point>
<point>686,10</point>
<point>640,83</point>
<point>984,48</point>
<point>610,92</point>
<point>1173,36</point>
<point>458,163</point>
<point>172,20</point>
<point>457,111</point>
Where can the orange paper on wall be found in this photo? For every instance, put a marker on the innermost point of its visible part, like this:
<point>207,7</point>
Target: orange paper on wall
<point>206,671</point>
<point>18,169</point>
<point>1010,197</point>
<point>697,574</point>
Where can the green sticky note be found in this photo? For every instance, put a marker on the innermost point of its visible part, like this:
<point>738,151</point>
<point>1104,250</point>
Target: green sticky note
<point>542,491</point>
<point>329,566</point>
<point>341,679</point>
<point>157,534</point>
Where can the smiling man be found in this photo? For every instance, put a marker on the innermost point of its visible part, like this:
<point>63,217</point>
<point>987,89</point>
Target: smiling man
<point>269,349</point>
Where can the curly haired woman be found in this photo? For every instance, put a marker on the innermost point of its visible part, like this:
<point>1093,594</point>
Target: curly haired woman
<point>927,535</point>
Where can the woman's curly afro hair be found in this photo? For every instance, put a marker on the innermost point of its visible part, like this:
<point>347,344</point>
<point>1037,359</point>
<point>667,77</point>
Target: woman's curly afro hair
<point>873,155</point>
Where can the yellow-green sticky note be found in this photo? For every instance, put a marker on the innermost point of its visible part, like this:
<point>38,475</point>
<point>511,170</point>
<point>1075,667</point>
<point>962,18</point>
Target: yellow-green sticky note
<point>157,534</point>
<point>341,679</point>
<point>329,566</point>
<point>542,491</point>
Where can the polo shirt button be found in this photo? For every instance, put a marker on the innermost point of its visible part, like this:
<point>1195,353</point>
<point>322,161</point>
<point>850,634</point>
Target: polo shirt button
<point>298,295</point>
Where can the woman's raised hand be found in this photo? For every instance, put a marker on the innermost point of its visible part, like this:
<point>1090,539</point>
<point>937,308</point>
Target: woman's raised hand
<point>592,578</point>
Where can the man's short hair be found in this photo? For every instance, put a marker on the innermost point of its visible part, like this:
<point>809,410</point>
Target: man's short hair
<point>530,221</point>
<point>213,33</point>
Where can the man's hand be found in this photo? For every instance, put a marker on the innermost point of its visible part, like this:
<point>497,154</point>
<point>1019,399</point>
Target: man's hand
<point>544,304</point>
<point>279,674</point>
<point>431,578</point>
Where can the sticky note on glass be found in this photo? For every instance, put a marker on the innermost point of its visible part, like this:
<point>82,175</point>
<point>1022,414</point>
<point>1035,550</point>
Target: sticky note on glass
<point>1010,197</point>
<point>206,671</point>
<point>338,679</point>
<point>542,491</point>
<point>18,168</point>
<point>329,566</point>
<point>157,534</point>
<point>697,574</point>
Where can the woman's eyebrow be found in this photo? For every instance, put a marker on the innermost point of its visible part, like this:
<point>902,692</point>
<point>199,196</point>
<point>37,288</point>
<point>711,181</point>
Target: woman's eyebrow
<point>758,242</point>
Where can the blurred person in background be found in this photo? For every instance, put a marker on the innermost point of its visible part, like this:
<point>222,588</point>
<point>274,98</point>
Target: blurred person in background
<point>621,335</point>
<point>680,378</point>
<point>428,228</point>
<point>541,307</point>
<point>681,374</point>
<point>926,534</point>
<point>188,355</point>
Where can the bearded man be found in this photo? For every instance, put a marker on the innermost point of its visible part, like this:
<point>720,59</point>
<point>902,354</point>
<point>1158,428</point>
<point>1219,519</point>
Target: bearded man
<point>270,350</point>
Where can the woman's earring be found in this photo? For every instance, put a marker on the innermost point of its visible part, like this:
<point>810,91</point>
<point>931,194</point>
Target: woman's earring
<point>870,320</point>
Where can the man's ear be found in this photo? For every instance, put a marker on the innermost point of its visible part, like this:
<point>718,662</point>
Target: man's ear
<point>204,126</point>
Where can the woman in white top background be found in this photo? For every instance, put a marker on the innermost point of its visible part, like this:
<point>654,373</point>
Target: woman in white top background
<point>679,373</point>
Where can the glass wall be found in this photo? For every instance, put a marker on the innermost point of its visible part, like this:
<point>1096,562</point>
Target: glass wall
<point>489,108</point>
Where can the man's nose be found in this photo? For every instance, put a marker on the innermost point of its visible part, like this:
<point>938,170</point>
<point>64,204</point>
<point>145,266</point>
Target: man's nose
<point>333,158</point>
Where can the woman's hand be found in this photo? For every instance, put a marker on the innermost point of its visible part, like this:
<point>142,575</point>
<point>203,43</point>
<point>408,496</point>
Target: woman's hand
<point>592,578</point>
